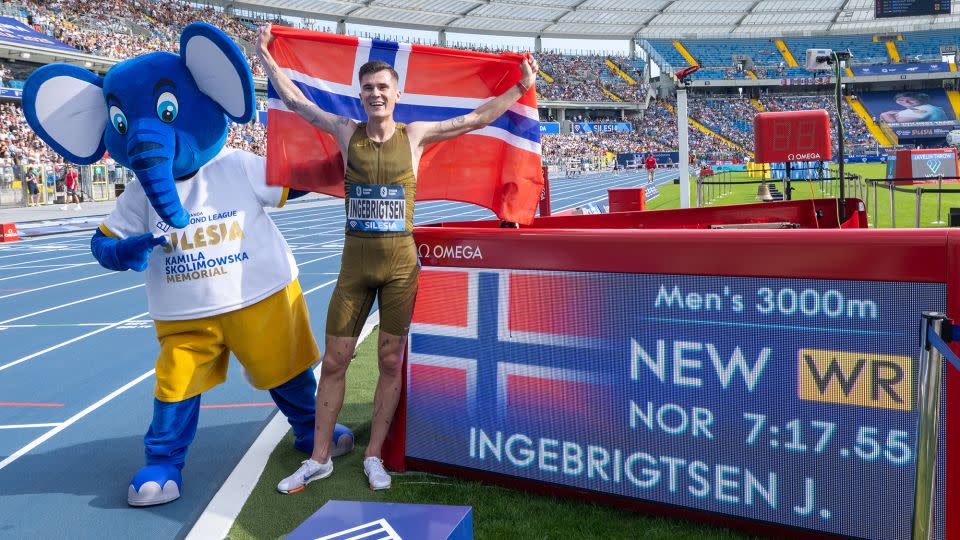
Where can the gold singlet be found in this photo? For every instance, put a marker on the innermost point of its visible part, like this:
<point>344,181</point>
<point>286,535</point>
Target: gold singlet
<point>379,256</point>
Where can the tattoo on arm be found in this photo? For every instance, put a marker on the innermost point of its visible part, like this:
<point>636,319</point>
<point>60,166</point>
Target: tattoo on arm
<point>456,123</point>
<point>315,117</point>
<point>343,121</point>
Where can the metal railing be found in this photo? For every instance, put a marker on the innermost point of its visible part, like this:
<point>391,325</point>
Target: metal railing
<point>935,331</point>
<point>712,188</point>
<point>890,184</point>
<point>97,182</point>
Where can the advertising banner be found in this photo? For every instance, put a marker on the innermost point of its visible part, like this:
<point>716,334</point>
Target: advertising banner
<point>901,69</point>
<point>923,130</point>
<point>806,81</point>
<point>595,127</point>
<point>663,158</point>
<point>892,107</point>
<point>549,128</point>
<point>934,163</point>
<point>870,158</point>
<point>14,31</point>
<point>782,400</point>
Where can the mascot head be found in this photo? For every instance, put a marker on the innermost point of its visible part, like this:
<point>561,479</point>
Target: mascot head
<point>161,115</point>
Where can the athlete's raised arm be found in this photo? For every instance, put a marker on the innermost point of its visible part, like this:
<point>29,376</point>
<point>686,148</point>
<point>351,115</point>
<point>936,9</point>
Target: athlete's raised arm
<point>340,127</point>
<point>424,133</point>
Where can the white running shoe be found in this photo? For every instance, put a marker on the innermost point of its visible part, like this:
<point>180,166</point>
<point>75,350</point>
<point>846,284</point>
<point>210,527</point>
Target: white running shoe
<point>78,207</point>
<point>376,474</point>
<point>309,471</point>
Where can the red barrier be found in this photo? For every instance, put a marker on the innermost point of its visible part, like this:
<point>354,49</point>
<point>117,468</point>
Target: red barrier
<point>627,199</point>
<point>808,214</point>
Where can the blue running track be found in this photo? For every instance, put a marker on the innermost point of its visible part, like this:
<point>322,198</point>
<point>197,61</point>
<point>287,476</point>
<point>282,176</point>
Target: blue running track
<point>77,352</point>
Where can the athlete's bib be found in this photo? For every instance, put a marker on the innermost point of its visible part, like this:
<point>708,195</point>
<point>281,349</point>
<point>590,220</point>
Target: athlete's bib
<point>376,208</point>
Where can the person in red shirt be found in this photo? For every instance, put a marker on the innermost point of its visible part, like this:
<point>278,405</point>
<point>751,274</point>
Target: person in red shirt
<point>651,167</point>
<point>70,181</point>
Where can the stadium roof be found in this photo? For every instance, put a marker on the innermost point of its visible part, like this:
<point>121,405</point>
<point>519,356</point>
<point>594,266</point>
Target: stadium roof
<point>607,19</point>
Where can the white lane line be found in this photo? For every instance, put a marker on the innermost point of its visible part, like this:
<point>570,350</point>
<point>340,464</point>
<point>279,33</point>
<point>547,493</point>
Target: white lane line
<point>64,267</point>
<point>70,304</point>
<point>23,426</point>
<point>35,251</point>
<point>17,264</point>
<point>218,517</point>
<point>55,285</point>
<point>322,285</point>
<point>69,341</point>
<point>318,259</point>
<point>27,266</point>
<point>66,325</point>
<point>72,420</point>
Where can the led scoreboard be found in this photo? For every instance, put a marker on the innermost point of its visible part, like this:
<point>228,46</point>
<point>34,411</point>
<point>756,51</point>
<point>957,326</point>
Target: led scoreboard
<point>736,373</point>
<point>789,136</point>
<point>911,8</point>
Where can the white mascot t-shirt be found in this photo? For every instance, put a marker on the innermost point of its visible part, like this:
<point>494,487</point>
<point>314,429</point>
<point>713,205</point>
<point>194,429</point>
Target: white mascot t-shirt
<point>230,256</point>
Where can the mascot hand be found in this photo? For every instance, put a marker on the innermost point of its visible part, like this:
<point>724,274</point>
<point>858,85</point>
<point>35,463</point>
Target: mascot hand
<point>134,252</point>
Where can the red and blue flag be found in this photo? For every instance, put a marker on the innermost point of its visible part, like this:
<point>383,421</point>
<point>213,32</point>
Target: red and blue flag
<point>506,345</point>
<point>497,167</point>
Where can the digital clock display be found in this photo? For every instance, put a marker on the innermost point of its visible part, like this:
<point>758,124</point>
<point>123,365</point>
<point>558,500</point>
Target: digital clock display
<point>787,401</point>
<point>791,136</point>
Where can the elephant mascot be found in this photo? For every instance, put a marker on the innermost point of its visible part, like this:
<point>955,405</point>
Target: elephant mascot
<point>220,278</point>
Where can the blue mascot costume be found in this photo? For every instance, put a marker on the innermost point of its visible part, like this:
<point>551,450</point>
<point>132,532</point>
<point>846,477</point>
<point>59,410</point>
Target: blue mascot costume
<point>220,278</point>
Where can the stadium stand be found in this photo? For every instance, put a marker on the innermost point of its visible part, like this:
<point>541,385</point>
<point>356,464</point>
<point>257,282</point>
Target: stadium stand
<point>772,58</point>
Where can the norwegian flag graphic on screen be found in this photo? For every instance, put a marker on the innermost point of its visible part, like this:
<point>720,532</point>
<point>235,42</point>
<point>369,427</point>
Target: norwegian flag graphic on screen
<point>502,348</point>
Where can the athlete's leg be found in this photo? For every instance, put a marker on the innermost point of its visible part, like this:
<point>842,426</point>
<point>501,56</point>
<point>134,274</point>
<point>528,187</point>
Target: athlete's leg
<point>336,358</point>
<point>397,297</point>
<point>390,362</point>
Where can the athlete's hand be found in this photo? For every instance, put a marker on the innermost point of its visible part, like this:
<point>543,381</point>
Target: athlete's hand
<point>529,69</point>
<point>264,39</point>
<point>134,252</point>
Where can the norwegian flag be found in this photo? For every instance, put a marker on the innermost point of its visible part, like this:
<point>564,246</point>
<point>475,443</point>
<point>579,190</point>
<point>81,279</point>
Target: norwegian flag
<point>518,345</point>
<point>497,167</point>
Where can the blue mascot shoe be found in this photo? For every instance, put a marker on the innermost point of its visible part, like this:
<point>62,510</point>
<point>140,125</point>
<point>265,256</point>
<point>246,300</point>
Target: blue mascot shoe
<point>154,484</point>
<point>342,440</point>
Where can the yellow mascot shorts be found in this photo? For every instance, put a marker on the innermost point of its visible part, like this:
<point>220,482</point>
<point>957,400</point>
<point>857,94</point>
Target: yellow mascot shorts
<point>272,339</point>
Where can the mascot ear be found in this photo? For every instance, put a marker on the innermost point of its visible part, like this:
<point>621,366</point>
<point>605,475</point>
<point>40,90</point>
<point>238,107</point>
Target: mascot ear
<point>65,106</point>
<point>219,69</point>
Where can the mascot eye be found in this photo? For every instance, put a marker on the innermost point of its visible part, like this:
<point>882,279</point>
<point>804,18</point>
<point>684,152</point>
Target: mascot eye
<point>118,120</point>
<point>167,107</point>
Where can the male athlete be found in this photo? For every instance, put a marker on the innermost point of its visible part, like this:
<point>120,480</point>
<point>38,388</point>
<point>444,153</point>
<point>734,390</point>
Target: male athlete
<point>380,161</point>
